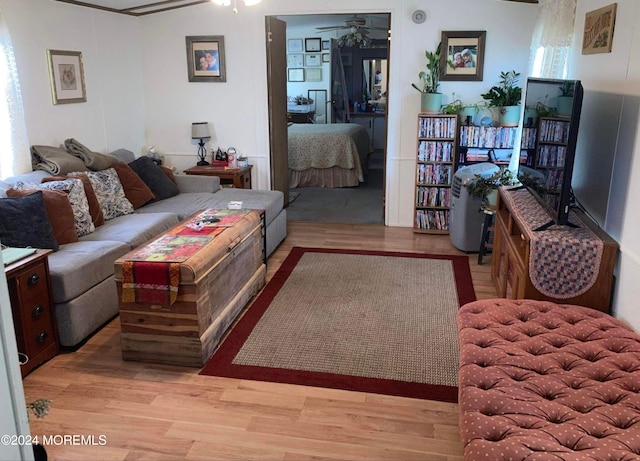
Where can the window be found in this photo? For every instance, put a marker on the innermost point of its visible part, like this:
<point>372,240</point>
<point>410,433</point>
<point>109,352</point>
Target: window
<point>14,153</point>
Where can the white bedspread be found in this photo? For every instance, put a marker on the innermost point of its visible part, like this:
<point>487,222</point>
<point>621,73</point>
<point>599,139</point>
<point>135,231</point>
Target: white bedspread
<point>320,146</point>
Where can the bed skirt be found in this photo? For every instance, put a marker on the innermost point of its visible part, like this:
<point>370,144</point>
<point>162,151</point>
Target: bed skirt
<point>323,177</point>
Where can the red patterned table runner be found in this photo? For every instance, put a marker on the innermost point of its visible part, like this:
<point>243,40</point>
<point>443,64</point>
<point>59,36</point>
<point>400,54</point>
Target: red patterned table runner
<point>151,273</point>
<point>563,261</point>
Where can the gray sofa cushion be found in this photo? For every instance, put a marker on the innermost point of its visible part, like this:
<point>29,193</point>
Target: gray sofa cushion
<point>81,265</point>
<point>134,229</point>
<point>190,202</point>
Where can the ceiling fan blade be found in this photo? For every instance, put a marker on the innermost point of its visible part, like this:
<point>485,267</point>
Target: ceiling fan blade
<point>333,27</point>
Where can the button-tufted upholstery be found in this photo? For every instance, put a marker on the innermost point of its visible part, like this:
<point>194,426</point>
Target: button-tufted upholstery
<point>541,381</point>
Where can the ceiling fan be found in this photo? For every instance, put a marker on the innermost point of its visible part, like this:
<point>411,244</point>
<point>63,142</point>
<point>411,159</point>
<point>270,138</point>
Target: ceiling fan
<point>354,24</point>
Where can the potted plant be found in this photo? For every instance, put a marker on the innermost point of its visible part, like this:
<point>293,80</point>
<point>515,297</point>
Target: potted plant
<point>486,187</point>
<point>565,100</point>
<point>431,100</point>
<point>506,97</point>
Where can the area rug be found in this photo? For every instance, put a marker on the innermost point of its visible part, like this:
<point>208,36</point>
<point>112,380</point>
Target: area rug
<point>371,321</point>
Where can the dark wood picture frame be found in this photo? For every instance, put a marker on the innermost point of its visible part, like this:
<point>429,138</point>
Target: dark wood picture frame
<point>312,45</point>
<point>205,58</point>
<point>462,48</point>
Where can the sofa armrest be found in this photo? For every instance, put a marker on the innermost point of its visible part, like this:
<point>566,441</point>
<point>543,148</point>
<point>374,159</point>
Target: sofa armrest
<point>193,183</point>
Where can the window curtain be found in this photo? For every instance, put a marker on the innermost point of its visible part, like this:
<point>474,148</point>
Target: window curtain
<point>14,152</point>
<point>552,37</point>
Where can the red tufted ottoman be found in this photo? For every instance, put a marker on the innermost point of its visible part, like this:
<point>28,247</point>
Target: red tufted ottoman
<point>540,381</point>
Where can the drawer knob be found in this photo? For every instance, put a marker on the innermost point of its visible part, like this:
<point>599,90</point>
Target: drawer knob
<point>42,337</point>
<point>33,279</point>
<point>37,311</point>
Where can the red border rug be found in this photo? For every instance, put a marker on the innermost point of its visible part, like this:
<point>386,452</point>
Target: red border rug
<point>221,363</point>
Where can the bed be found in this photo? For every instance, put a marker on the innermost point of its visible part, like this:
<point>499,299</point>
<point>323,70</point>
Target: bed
<point>327,155</point>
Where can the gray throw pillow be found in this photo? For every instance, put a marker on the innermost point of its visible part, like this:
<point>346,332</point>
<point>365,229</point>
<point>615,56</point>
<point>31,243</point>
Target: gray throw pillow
<point>159,183</point>
<point>24,223</point>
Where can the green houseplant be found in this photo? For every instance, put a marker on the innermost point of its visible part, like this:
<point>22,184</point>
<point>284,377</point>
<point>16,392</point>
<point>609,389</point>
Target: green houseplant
<point>565,100</point>
<point>506,97</point>
<point>486,187</point>
<point>431,99</point>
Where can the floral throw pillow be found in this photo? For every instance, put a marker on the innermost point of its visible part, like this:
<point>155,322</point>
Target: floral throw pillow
<point>110,193</point>
<point>77,198</point>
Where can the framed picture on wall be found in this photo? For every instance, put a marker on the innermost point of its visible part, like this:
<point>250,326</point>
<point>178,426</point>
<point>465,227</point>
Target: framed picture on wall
<point>598,30</point>
<point>295,60</point>
<point>66,74</point>
<point>313,75</point>
<point>465,49</point>
<point>326,57</point>
<point>312,60</point>
<point>295,75</point>
<point>205,58</point>
<point>294,45</point>
<point>326,44</point>
<point>312,44</point>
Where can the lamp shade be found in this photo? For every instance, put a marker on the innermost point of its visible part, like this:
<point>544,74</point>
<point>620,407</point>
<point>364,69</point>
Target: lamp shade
<point>200,130</point>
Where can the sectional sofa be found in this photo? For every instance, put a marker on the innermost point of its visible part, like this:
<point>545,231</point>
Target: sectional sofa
<point>82,272</point>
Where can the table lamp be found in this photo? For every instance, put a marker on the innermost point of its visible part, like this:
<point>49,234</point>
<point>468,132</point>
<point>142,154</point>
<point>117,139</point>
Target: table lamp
<point>200,130</point>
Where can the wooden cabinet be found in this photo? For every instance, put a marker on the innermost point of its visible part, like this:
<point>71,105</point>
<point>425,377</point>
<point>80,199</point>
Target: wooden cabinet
<point>435,158</point>
<point>512,251</point>
<point>239,177</point>
<point>32,308</point>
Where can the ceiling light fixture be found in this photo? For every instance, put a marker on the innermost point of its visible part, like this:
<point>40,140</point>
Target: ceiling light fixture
<point>235,3</point>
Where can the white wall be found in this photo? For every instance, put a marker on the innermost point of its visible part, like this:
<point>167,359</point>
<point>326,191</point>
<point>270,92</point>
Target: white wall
<point>238,108</point>
<point>612,93</point>
<point>113,116</point>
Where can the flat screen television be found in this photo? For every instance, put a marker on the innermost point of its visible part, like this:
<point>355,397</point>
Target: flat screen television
<point>548,168</point>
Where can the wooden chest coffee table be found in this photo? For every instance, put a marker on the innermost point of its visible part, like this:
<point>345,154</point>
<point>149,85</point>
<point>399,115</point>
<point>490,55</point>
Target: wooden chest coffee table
<point>220,268</point>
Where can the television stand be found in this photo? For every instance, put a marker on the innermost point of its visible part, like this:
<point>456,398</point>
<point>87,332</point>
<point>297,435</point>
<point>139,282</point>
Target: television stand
<point>519,267</point>
<point>553,223</point>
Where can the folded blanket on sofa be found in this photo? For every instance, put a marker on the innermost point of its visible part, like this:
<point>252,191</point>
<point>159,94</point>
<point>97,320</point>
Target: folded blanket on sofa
<point>93,160</point>
<point>55,160</point>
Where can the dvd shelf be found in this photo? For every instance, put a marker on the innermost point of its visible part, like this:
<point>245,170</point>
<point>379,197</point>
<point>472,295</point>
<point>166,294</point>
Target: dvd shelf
<point>435,165</point>
<point>493,144</point>
<point>551,154</point>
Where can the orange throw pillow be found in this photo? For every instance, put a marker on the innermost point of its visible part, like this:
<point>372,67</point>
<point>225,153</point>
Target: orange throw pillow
<point>135,189</point>
<point>169,172</point>
<point>59,212</point>
<point>95,210</point>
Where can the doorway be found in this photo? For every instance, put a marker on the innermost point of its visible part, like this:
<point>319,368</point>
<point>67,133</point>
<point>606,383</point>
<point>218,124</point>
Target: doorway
<point>365,79</point>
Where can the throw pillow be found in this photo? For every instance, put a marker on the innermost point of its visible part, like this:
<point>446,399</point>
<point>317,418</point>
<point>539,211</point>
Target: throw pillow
<point>169,172</point>
<point>97,217</point>
<point>59,212</point>
<point>24,223</point>
<point>158,182</point>
<point>110,194</point>
<point>77,199</point>
<point>136,191</point>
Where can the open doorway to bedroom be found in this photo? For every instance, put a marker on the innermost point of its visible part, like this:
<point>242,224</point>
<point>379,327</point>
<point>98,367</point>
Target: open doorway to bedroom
<point>337,80</point>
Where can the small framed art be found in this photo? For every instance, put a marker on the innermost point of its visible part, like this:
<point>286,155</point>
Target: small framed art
<point>295,60</point>
<point>313,75</point>
<point>67,76</point>
<point>326,57</point>
<point>294,45</point>
<point>296,75</point>
<point>312,60</point>
<point>598,30</point>
<point>326,44</point>
<point>312,45</point>
<point>465,49</point>
<point>205,58</point>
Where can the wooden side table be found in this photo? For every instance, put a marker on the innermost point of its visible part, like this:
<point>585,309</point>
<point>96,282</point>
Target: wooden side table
<point>239,178</point>
<point>32,306</point>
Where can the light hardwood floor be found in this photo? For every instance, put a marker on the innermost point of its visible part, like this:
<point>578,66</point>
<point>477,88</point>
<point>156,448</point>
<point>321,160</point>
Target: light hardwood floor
<point>156,412</point>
